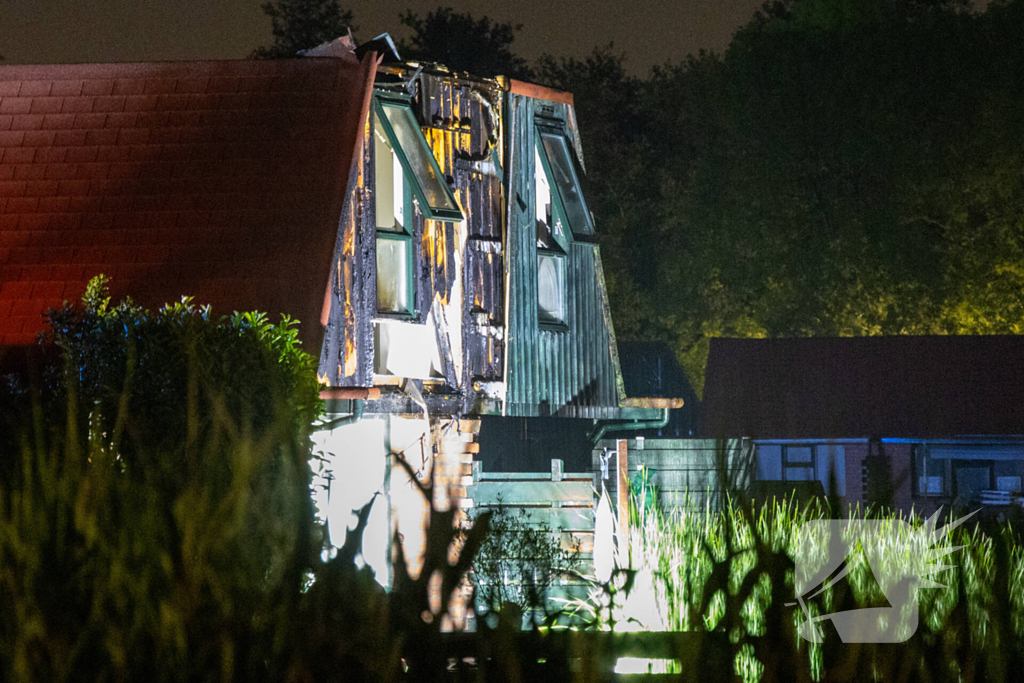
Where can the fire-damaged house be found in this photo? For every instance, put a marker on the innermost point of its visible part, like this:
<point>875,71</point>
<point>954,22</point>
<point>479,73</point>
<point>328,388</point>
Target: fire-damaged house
<point>427,228</point>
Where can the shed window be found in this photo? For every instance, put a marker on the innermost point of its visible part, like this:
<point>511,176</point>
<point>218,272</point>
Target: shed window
<point>932,475</point>
<point>803,462</point>
<point>1011,484</point>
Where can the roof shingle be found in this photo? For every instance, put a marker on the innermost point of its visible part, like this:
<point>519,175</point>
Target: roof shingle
<point>218,180</point>
<point>856,387</point>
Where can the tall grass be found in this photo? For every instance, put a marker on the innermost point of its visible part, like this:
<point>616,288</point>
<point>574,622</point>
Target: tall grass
<point>156,525</point>
<point>734,571</point>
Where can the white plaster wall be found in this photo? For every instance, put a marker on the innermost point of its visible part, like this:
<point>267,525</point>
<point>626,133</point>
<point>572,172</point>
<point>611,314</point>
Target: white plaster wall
<point>411,439</point>
<point>355,470</point>
<point>354,473</point>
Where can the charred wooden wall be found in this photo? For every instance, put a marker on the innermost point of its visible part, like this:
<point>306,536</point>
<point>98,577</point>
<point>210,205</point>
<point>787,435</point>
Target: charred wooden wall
<point>459,266</point>
<point>346,358</point>
<point>464,129</point>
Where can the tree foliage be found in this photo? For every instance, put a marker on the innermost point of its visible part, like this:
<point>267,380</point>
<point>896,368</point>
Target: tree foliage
<point>845,168</point>
<point>156,521</point>
<point>463,43</point>
<point>302,24</point>
<point>155,517</point>
<point>520,561</point>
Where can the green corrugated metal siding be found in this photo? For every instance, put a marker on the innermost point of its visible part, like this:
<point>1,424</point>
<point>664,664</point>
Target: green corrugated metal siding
<point>575,371</point>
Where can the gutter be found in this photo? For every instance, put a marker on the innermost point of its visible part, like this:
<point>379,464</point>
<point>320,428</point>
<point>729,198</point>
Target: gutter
<point>357,395</point>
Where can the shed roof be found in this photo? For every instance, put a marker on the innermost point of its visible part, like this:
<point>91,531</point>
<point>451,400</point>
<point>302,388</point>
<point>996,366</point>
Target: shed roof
<point>220,180</point>
<point>901,386</point>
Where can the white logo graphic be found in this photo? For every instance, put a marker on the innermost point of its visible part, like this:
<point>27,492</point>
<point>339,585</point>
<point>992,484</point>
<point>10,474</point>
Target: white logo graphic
<point>898,556</point>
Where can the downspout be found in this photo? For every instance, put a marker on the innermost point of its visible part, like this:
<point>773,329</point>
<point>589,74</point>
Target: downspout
<point>632,425</point>
<point>355,416</point>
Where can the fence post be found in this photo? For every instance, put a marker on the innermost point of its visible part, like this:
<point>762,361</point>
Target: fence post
<point>622,490</point>
<point>557,469</point>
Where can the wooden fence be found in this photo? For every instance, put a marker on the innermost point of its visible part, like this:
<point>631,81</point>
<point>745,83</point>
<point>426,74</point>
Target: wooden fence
<point>561,501</point>
<point>683,471</point>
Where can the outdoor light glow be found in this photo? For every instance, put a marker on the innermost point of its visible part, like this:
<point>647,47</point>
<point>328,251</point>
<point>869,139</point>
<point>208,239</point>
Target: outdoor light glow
<point>640,665</point>
<point>604,541</point>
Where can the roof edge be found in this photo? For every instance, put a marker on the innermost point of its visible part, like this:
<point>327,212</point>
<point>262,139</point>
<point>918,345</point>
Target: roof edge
<point>168,69</point>
<point>539,92</point>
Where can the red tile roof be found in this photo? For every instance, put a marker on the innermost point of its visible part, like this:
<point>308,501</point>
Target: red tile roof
<point>220,180</point>
<point>902,386</point>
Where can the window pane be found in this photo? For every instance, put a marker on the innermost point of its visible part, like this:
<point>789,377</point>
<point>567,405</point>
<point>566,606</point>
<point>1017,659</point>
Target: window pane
<point>1011,484</point>
<point>921,467</point>
<point>798,454</point>
<point>799,474</point>
<point>970,481</point>
<point>565,178</point>
<point>769,463</point>
<point>550,288</point>
<point>423,164</point>
<point>393,275</point>
<point>831,460</point>
<point>931,473</point>
<point>545,225</point>
<point>388,183</point>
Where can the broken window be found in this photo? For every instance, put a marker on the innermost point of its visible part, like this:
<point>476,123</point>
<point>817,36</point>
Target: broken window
<point>406,349</point>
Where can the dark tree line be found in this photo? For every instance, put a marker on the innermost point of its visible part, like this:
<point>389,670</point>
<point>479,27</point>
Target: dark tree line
<point>459,41</point>
<point>845,167</point>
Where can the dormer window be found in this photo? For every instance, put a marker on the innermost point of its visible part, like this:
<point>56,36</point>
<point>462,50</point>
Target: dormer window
<point>561,169</point>
<point>406,178</point>
<point>560,212</point>
<point>551,237</point>
<point>429,189</point>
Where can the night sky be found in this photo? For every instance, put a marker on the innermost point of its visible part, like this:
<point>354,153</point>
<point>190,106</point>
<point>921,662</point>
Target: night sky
<point>648,32</point>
